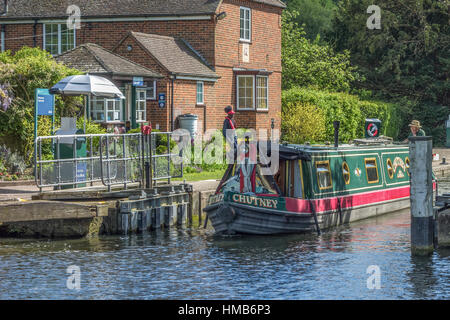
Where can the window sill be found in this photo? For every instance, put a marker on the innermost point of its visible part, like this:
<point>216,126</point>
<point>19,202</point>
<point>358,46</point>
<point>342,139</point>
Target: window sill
<point>200,105</point>
<point>245,41</point>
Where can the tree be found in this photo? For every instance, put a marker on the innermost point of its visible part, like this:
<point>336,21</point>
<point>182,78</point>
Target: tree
<point>316,16</point>
<point>409,56</point>
<point>308,64</point>
<point>20,74</point>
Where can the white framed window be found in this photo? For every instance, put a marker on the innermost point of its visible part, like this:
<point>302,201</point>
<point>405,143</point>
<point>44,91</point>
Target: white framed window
<point>246,92</point>
<point>113,110</point>
<point>106,110</point>
<point>246,24</point>
<point>98,109</point>
<point>262,93</point>
<point>141,105</point>
<point>200,92</point>
<point>151,90</point>
<point>58,38</point>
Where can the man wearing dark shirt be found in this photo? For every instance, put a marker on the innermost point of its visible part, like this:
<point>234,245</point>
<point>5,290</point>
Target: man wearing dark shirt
<point>230,124</point>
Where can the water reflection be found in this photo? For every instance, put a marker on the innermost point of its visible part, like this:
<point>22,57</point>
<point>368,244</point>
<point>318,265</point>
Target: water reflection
<point>194,264</point>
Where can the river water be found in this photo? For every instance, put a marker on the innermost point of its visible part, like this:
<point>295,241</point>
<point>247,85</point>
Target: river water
<point>193,264</point>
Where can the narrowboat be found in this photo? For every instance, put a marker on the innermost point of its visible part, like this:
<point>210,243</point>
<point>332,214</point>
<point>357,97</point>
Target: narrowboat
<point>315,188</point>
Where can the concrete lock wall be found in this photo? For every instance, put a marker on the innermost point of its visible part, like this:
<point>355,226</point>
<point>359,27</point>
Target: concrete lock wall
<point>68,214</point>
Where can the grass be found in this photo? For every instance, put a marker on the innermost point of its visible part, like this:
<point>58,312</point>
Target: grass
<point>204,175</point>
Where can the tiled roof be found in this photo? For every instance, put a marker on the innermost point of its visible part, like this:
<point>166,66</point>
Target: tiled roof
<point>276,3</point>
<point>18,9</point>
<point>108,8</point>
<point>93,59</point>
<point>175,55</point>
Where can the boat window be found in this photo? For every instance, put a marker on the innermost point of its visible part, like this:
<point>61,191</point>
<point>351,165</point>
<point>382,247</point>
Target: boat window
<point>263,184</point>
<point>324,175</point>
<point>371,170</point>
<point>346,172</point>
<point>390,168</point>
<point>407,165</point>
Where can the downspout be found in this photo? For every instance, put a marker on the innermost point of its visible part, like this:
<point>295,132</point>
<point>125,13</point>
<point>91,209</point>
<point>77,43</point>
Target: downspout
<point>35,33</point>
<point>3,38</point>
<point>172,98</point>
<point>4,13</point>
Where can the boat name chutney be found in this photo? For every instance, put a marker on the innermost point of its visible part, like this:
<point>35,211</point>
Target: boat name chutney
<point>259,202</point>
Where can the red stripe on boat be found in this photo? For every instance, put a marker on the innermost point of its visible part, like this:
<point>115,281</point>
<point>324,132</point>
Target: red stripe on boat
<point>356,200</point>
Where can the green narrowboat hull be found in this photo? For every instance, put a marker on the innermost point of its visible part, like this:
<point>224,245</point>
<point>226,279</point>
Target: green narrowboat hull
<point>330,187</point>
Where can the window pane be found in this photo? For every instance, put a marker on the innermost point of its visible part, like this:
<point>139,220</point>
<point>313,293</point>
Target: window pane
<point>372,171</point>
<point>151,94</point>
<point>323,175</point>
<point>245,23</point>
<point>245,92</point>
<point>262,99</point>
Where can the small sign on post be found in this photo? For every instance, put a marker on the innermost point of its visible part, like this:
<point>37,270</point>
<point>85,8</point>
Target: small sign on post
<point>162,100</point>
<point>44,106</point>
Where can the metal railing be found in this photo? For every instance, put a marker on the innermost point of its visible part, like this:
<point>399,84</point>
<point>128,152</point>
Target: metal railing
<point>161,157</point>
<point>121,154</point>
<point>71,161</point>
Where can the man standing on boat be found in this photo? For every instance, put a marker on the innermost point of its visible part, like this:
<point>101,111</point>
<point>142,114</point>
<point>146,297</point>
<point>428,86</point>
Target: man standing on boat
<point>229,129</point>
<point>416,130</point>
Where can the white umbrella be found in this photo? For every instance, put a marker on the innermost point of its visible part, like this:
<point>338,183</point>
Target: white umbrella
<point>87,85</point>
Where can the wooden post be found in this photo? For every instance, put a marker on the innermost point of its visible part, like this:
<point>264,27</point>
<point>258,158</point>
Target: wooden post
<point>422,222</point>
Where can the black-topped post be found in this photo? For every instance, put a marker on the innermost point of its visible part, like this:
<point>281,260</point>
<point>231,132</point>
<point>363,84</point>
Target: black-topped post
<point>422,222</point>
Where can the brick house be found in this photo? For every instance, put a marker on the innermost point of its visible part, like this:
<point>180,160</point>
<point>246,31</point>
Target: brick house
<point>195,56</point>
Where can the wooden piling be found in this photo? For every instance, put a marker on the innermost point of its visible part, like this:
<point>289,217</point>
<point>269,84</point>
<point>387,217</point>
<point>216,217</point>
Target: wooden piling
<point>422,222</point>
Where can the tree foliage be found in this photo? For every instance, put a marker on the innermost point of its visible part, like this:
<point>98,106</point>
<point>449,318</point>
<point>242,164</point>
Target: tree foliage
<point>409,56</point>
<point>20,74</point>
<point>349,109</point>
<point>316,16</point>
<point>302,122</point>
<point>307,64</point>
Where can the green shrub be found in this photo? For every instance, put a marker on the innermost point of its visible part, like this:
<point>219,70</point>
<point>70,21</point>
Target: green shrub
<point>302,121</point>
<point>349,109</point>
<point>22,73</point>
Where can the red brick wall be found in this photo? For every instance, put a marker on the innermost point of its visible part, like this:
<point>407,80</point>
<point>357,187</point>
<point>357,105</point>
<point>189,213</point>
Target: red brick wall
<point>265,53</point>
<point>218,42</point>
<point>155,114</point>
<point>185,102</point>
<point>23,31</point>
<point>199,33</point>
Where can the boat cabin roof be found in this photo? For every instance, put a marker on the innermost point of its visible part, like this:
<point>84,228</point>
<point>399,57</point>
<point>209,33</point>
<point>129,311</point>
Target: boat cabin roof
<point>303,152</point>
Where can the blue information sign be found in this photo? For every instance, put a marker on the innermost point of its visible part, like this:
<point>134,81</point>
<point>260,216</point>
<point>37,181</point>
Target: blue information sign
<point>162,100</point>
<point>81,172</point>
<point>45,102</point>
<point>138,81</point>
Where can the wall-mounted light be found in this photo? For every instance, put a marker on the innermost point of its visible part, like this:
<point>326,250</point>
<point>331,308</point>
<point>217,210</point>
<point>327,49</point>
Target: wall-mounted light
<point>221,16</point>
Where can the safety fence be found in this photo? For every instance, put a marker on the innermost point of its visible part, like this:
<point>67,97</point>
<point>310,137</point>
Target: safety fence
<point>76,161</point>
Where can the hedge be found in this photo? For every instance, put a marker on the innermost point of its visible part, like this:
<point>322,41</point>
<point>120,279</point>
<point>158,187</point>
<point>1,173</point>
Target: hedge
<point>349,109</point>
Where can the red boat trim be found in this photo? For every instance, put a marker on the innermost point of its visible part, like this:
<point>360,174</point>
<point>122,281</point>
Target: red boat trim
<point>350,201</point>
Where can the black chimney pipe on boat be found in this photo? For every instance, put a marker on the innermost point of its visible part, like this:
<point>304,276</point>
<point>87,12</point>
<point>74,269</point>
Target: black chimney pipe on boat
<point>336,125</point>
